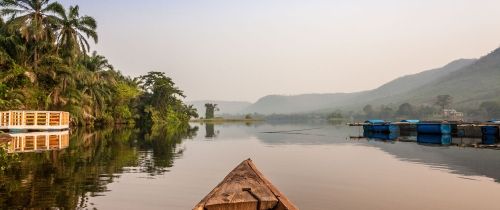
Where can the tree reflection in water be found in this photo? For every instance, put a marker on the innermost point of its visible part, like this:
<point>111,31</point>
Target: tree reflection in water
<point>66,178</point>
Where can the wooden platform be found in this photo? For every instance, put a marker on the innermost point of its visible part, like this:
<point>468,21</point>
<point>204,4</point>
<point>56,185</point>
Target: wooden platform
<point>34,120</point>
<point>245,188</point>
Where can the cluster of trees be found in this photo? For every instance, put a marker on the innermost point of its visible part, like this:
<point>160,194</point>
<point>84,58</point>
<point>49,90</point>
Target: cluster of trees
<point>45,65</point>
<point>405,110</point>
<point>491,109</point>
<point>408,111</point>
<point>487,110</point>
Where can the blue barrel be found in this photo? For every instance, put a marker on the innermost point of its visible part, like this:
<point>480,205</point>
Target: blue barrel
<point>375,121</point>
<point>381,136</point>
<point>433,128</point>
<point>434,139</point>
<point>489,130</point>
<point>489,139</point>
<point>496,121</point>
<point>385,128</point>
<point>411,121</point>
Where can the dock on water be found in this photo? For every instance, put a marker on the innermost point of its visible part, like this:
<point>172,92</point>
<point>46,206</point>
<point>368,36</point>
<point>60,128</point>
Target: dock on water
<point>34,120</point>
<point>460,129</point>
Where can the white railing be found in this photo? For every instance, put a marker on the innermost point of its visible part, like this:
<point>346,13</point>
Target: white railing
<point>38,141</point>
<point>34,120</point>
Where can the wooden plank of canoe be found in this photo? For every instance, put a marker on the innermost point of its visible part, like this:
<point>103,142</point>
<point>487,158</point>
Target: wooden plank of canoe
<point>240,190</point>
<point>284,203</point>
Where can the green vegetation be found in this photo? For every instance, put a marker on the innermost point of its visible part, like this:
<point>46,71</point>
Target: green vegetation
<point>403,111</point>
<point>444,101</point>
<point>87,166</point>
<point>490,109</point>
<point>7,161</point>
<point>210,110</point>
<point>486,111</point>
<point>45,65</point>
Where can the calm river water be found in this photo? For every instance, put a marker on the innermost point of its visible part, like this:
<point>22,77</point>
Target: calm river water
<point>318,166</point>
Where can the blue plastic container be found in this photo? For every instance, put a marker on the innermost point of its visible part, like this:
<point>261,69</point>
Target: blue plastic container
<point>433,128</point>
<point>496,121</point>
<point>386,128</point>
<point>381,136</point>
<point>489,130</point>
<point>489,139</point>
<point>411,121</point>
<point>381,128</point>
<point>434,139</point>
<point>375,121</point>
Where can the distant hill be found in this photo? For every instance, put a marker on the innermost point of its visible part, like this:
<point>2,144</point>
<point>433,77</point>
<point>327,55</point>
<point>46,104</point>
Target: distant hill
<point>468,81</point>
<point>226,107</point>
<point>279,104</point>
<point>469,86</point>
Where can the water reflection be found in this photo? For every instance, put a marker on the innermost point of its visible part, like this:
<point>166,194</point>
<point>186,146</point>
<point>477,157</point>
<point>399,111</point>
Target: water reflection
<point>381,136</point>
<point>443,152</point>
<point>210,130</point>
<point>66,178</point>
<point>37,141</point>
<point>486,141</point>
<point>434,139</point>
<point>436,151</point>
<point>78,174</point>
<point>490,140</point>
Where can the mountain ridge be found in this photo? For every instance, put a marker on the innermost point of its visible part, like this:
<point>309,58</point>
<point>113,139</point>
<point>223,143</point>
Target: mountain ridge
<point>280,104</point>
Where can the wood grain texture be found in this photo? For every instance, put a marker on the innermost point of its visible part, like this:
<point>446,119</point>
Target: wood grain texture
<point>245,188</point>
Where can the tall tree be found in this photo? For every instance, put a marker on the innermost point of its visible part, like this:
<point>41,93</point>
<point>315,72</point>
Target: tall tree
<point>444,101</point>
<point>35,20</point>
<point>97,63</point>
<point>73,31</point>
<point>405,109</point>
<point>210,110</point>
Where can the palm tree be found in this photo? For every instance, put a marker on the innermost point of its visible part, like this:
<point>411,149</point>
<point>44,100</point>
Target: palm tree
<point>97,63</point>
<point>34,19</point>
<point>97,91</point>
<point>73,30</point>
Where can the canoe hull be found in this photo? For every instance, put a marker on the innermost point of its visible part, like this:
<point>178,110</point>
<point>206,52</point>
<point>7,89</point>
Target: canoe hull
<point>245,188</point>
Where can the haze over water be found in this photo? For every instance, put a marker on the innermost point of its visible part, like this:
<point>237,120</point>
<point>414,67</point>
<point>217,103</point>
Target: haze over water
<point>317,168</point>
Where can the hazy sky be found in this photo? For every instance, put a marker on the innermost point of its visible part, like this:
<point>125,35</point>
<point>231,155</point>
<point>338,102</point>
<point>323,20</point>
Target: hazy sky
<point>245,49</point>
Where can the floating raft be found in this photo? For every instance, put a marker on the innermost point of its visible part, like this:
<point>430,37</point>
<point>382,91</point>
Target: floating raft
<point>245,188</point>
